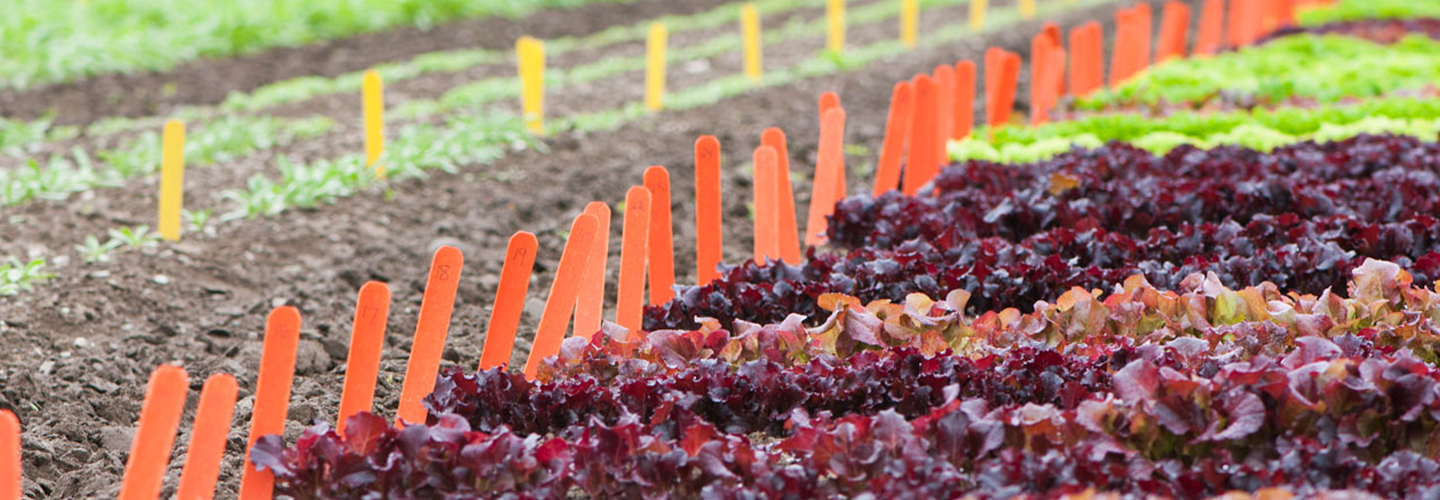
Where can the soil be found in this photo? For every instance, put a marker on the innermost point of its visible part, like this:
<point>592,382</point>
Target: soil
<point>79,348</point>
<point>209,81</point>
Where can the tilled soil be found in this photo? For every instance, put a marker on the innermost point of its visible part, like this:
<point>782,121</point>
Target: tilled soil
<point>79,348</point>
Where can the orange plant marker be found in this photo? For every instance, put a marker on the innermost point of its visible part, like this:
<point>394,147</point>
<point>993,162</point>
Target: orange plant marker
<point>1051,30</point>
<point>1097,41</point>
<point>897,132</point>
<point>1005,92</point>
<point>155,433</point>
<point>362,365</point>
<point>430,331</point>
<point>1253,21</point>
<point>1285,13</point>
<point>766,186</point>
<point>922,160</point>
<point>207,439</point>
<point>828,100</point>
<point>590,310</point>
<point>1078,58</point>
<point>1086,56</point>
<point>1174,31</point>
<point>1269,16</point>
<point>1040,86</point>
<point>788,225</point>
<point>272,395</point>
<point>630,290</point>
<point>964,100</point>
<point>709,238</point>
<point>661,241</point>
<point>944,107</point>
<point>830,161</point>
<point>563,292</point>
<point>994,60</point>
<point>1121,58</point>
<point>1235,22</point>
<point>509,300</point>
<point>1145,33</point>
<point>1212,21</point>
<point>1054,73</point>
<point>9,456</point>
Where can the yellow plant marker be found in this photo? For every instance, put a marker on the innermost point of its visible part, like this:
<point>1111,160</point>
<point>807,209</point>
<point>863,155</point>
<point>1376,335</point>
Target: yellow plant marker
<point>172,179</point>
<point>750,31</point>
<point>909,22</point>
<point>835,13</point>
<point>655,68</point>
<point>977,13</point>
<point>531,56</point>
<point>1027,9</point>
<point>373,94</point>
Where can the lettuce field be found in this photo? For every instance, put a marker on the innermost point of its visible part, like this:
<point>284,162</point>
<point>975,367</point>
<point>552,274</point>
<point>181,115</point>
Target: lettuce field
<point>720,249</point>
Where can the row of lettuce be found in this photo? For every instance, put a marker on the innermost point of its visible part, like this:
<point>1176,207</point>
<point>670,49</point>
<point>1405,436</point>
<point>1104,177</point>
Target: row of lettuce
<point>1213,315</point>
<point>1144,393</point>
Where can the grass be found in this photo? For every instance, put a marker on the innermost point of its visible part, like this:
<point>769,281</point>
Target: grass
<point>48,41</point>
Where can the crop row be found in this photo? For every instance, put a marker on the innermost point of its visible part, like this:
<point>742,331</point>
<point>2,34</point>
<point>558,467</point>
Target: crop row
<point>218,141</point>
<point>489,90</point>
<point>1147,392</point>
<point>1350,10</point>
<point>1302,217</point>
<point>1305,66</point>
<point>422,147</point>
<point>48,42</point>
<point>1261,129</point>
<point>446,120</point>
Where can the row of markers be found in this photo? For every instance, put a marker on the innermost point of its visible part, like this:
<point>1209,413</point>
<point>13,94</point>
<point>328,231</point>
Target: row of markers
<point>1248,20</point>
<point>530,52</point>
<point>923,113</point>
<point>530,57</point>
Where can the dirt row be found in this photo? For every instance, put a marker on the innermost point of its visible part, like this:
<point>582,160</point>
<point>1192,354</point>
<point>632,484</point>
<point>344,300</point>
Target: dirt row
<point>78,350</point>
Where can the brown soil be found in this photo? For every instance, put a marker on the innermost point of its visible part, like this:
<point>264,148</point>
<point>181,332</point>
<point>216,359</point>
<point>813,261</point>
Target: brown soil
<point>79,348</point>
<point>209,81</point>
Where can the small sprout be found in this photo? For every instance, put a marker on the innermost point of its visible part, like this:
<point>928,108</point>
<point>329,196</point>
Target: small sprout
<point>93,251</point>
<point>138,237</point>
<point>198,220</point>
<point>16,277</point>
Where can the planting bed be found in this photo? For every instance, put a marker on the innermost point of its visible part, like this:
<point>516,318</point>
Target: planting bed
<point>1133,300</point>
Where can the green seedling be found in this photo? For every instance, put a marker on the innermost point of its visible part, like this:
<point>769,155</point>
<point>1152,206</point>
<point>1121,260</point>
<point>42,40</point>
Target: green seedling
<point>197,220</point>
<point>93,251</point>
<point>135,238</point>
<point>16,277</point>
